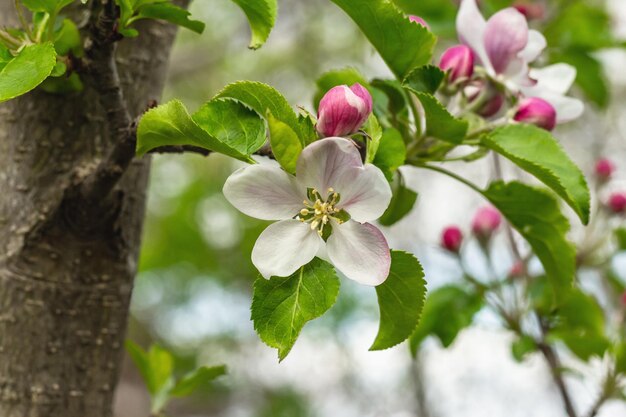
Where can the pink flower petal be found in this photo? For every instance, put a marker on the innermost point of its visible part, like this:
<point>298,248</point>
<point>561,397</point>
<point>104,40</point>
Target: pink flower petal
<point>324,163</point>
<point>535,46</point>
<point>284,247</point>
<point>506,35</point>
<point>360,252</point>
<point>470,27</point>
<point>265,192</point>
<point>364,195</point>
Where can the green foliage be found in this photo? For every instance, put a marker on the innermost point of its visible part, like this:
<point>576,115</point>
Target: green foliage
<point>156,367</point>
<point>580,26</point>
<point>391,153</point>
<point>27,70</point>
<point>439,14</point>
<point>133,10</point>
<point>426,79</point>
<point>402,44</point>
<point>580,325</point>
<point>535,214</point>
<point>262,17</point>
<point>620,358</point>
<point>401,299</point>
<point>220,127</point>
<point>281,306</point>
<point>51,7</point>
<point>447,311</point>
<point>620,235</point>
<point>344,76</point>
<point>286,145</point>
<point>522,346</point>
<point>537,152</point>
<point>402,201</point>
<point>375,135</point>
<point>67,39</point>
<point>263,99</point>
<point>439,122</point>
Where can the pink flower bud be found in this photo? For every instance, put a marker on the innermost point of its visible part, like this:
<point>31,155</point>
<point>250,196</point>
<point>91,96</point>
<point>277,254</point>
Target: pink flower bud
<point>459,60</point>
<point>617,203</point>
<point>486,221</point>
<point>518,270</point>
<point>604,169</point>
<point>343,110</point>
<point>531,11</point>
<point>451,238</point>
<point>419,21</point>
<point>490,100</point>
<point>536,111</point>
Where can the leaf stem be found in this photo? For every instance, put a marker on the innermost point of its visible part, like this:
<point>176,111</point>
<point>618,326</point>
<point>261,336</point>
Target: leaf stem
<point>20,15</point>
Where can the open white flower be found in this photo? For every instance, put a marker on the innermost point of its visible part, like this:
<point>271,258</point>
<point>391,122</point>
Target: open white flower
<point>322,211</point>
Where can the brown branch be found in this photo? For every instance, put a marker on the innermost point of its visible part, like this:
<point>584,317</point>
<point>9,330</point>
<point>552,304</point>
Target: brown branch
<point>181,149</point>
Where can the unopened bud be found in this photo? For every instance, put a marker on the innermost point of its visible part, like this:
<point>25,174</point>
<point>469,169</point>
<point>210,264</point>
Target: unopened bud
<point>486,222</point>
<point>343,110</point>
<point>531,11</point>
<point>459,61</point>
<point>617,203</point>
<point>536,111</point>
<point>604,169</point>
<point>452,238</point>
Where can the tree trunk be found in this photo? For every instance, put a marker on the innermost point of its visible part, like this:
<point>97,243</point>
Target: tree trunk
<point>65,286</point>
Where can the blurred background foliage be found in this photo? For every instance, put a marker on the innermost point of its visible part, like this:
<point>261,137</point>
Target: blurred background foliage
<point>193,291</point>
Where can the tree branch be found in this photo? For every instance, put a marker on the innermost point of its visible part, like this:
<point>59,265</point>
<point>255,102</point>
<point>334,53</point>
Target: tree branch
<point>181,149</point>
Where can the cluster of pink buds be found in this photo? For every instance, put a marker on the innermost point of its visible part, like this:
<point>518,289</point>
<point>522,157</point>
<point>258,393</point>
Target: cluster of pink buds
<point>343,110</point>
<point>604,170</point>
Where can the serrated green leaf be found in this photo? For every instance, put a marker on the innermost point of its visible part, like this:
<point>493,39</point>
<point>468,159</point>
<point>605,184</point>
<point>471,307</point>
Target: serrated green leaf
<point>402,44</point>
<point>281,306</point>
<point>402,202</point>
<point>171,124</point>
<point>537,152</point>
<point>192,381</point>
<point>170,13</point>
<point>426,79</point>
<point>401,299</point>
<point>27,70</point>
<point>391,153</point>
<point>285,143</point>
<point>262,17</point>
<point>439,122</point>
<point>344,76</point>
<point>263,99</point>
<point>447,311</point>
<point>232,124</point>
<point>535,214</point>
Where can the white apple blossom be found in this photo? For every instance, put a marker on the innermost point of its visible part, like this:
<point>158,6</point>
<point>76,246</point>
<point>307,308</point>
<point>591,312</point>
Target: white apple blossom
<point>322,211</point>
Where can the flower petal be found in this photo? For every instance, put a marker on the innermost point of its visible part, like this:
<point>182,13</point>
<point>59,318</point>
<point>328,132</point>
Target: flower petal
<point>360,252</point>
<point>557,78</point>
<point>567,108</point>
<point>365,195</point>
<point>322,163</point>
<point>536,44</point>
<point>265,192</point>
<point>506,35</point>
<point>470,28</point>
<point>284,247</point>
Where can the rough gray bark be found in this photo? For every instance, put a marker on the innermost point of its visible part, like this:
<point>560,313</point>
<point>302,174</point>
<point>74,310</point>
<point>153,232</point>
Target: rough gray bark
<point>65,284</point>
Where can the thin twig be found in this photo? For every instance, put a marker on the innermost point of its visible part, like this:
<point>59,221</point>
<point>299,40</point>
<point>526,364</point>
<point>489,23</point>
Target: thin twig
<point>181,149</point>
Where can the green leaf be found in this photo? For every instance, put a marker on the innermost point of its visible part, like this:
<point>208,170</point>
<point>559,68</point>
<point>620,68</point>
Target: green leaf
<point>401,299</point>
<point>375,133</point>
<point>439,122</point>
<point>522,346</point>
<point>580,26</point>
<point>67,39</point>
<point>537,152</point>
<point>170,13</point>
<point>330,79</point>
<point>281,306</point>
<point>48,6</point>
<point>426,79</point>
<point>140,359</point>
<point>27,70</point>
<point>535,214</point>
<point>402,44</point>
<point>192,381</point>
<point>620,235</point>
<point>232,124</point>
<point>402,202</point>
<point>447,311</point>
<point>285,143</point>
<point>170,124</point>
<point>263,99</point>
<point>155,366</point>
<point>262,17</point>
<point>391,153</point>
<point>620,358</point>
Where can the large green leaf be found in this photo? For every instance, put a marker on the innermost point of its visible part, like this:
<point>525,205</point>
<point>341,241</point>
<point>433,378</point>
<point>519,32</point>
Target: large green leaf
<point>439,122</point>
<point>27,70</point>
<point>170,13</point>
<point>281,306</point>
<point>402,44</point>
<point>447,311</point>
<point>171,124</point>
<point>263,99</point>
<point>262,17</point>
<point>537,152</point>
<point>401,299</point>
<point>535,214</point>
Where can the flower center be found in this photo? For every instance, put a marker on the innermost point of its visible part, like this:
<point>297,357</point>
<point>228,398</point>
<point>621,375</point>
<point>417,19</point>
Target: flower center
<point>318,212</point>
